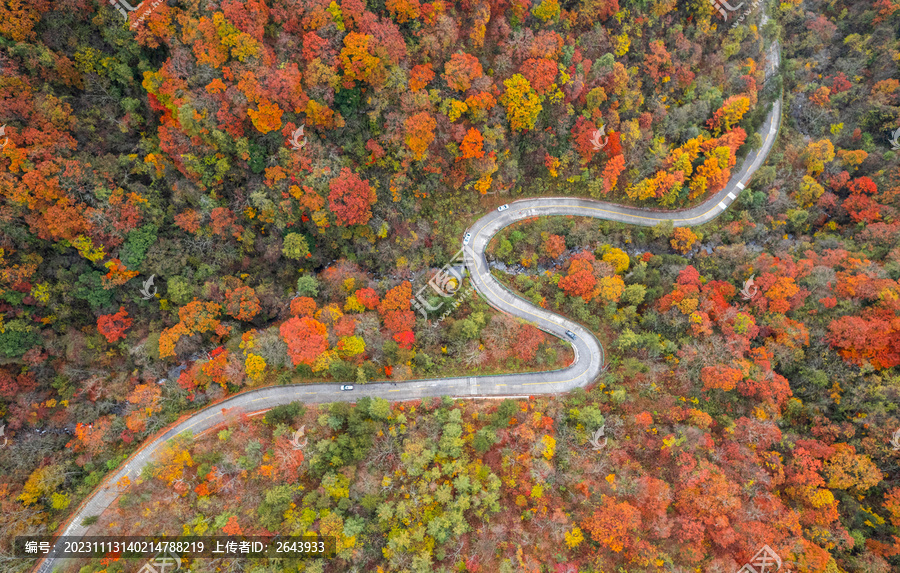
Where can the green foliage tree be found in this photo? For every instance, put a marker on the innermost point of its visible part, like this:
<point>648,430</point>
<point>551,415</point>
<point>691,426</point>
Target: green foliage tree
<point>295,247</point>
<point>308,285</point>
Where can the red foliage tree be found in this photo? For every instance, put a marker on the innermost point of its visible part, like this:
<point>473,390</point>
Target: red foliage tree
<point>113,326</point>
<point>540,73</point>
<point>405,339</point>
<point>873,337</point>
<point>527,340</point>
<point>581,280</point>
<point>16,385</point>
<point>224,223</point>
<point>188,220</point>
<point>351,198</point>
<point>368,297</point>
<point>582,132</point>
<point>306,339</point>
<point>345,326</point>
<point>863,185</point>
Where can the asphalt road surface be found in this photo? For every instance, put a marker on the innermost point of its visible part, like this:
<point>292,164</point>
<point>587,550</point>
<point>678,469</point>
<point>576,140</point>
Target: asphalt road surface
<point>586,367</point>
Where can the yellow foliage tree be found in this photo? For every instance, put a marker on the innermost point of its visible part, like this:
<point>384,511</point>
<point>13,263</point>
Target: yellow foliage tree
<point>618,259</point>
<point>549,446</point>
<point>351,346</point>
<point>574,538</point>
<point>809,191</point>
<point>255,366</point>
<point>817,154</point>
<point>42,481</point>
<point>611,288</point>
<point>522,103</point>
<point>547,10</point>
<point>358,61</point>
<point>848,470</point>
<point>174,459</point>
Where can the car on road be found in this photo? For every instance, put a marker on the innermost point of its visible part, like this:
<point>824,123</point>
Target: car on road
<point>467,238</point>
<point>571,335</point>
<point>346,386</point>
<point>503,207</point>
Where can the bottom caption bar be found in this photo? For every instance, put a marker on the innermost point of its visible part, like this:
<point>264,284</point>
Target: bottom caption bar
<point>193,547</point>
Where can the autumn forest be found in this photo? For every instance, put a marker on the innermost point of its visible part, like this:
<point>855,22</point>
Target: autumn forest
<point>202,199</point>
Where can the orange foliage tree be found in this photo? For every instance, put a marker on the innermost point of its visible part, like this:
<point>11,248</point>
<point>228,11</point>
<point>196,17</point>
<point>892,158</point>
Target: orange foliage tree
<point>196,318</point>
<point>472,145</point>
<point>683,240</point>
<point>420,76</point>
<point>461,70</point>
<point>419,133</point>
<point>303,306</point>
<point>611,172</point>
<point>613,526</point>
<point>242,303</point>
<point>395,308</point>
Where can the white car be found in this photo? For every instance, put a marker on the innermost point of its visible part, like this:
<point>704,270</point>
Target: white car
<point>503,207</point>
<point>467,238</point>
<point>346,386</point>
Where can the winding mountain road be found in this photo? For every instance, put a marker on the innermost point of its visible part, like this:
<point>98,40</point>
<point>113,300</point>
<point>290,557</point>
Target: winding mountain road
<point>586,367</point>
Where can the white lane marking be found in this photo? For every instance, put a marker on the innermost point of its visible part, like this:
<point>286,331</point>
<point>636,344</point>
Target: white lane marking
<point>723,206</point>
<point>741,185</point>
<point>731,196</point>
